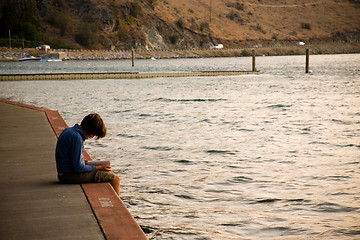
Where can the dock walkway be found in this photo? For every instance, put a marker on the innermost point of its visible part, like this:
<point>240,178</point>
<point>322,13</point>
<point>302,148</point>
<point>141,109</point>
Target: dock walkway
<point>33,205</point>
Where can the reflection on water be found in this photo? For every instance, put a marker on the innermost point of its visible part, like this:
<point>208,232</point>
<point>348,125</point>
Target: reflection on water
<point>270,156</point>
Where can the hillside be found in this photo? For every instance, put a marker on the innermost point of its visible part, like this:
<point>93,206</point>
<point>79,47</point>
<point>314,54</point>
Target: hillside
<point>172,24</point>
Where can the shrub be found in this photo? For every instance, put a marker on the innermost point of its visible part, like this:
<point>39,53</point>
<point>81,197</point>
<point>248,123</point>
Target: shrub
<point>56,44</point>
<point>204,26</point>
<point>87,35</point>
<point>173,39</point>
<point>232,15</point>
<point>246,53</point>
<point>293,52</point>
<point>18,43</point>
<point>180,24</point>
<point>24,21</point>
<point>239,6</point>
<point>58,20</point>
<point>260,29</point>
<point>306,26</point>
<point>123,30</point>
<point>130,20</point>
<point>29,31</point>
<point>135,10</point>
<point>152,1</point>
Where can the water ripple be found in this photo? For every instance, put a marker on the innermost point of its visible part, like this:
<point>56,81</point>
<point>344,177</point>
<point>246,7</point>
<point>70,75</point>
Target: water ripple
<point>333,207</point>
<point>240,179</point>
<point>281,106</point>
<point>189,100</point>
<point>159,148</point>
<point>185,162</point>
<point>225,152</point>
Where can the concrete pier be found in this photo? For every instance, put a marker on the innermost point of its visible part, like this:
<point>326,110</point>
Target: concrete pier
<point>33,205</point>
<point>118,75</point>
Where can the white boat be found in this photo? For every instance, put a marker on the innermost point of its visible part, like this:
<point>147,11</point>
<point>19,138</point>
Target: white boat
<point>31,58</point>
<point>50,60</point>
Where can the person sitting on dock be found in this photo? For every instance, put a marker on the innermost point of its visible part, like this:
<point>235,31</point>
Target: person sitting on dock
<point>70,164</point>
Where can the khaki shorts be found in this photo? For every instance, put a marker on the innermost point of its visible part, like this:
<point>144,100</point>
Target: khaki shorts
<point>86,177</point>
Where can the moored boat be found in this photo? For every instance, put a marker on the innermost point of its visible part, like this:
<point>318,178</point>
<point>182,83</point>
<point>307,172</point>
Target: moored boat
<point>31,58</point>
<point>50,60</point>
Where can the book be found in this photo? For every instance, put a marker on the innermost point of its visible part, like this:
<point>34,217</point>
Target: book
<point>98,163</point>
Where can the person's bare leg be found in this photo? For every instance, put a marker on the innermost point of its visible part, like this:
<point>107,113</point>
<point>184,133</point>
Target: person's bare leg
<point>116,184</point>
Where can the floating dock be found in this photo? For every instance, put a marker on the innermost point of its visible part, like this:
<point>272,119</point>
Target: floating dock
<point>118,75</point>
<point>33,204</point>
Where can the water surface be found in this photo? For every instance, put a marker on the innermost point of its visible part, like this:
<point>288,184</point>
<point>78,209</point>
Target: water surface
<point>269,156</point>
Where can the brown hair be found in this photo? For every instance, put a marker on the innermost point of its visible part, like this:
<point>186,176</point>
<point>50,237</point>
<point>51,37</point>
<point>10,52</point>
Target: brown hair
<point>93,124</point>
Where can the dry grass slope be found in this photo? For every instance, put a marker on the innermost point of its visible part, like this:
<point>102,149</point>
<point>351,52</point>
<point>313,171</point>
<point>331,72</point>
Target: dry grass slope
<point>236,20</point>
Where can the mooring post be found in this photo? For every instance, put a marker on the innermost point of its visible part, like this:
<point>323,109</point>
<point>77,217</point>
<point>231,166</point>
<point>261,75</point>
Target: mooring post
<point>307,61</point>
<point>253,61</point>
<point>10,38</point>
<point>132,57</point>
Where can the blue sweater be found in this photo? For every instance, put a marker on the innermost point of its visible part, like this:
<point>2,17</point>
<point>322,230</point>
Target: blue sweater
<point>69,151</point>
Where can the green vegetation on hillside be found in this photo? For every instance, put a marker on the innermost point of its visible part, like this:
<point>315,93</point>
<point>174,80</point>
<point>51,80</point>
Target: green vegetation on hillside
<point>21,20</point>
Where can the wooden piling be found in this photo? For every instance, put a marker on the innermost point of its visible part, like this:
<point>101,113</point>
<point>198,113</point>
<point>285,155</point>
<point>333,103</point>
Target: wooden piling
<point>307,60</point>
<point>132,58</point>
<point>253,61</point>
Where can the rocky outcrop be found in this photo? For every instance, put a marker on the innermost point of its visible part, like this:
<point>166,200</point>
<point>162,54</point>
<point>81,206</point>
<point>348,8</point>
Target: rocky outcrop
<point>153,39</point>
<point>99,12</point>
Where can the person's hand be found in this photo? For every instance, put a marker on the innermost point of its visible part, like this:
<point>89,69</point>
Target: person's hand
<point>104,168</point>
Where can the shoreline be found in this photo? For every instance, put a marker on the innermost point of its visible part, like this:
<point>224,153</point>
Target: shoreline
<point>8,55</point>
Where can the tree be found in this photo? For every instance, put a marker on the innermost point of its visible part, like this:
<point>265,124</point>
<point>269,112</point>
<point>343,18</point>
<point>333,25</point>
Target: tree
<point>22,17</point>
